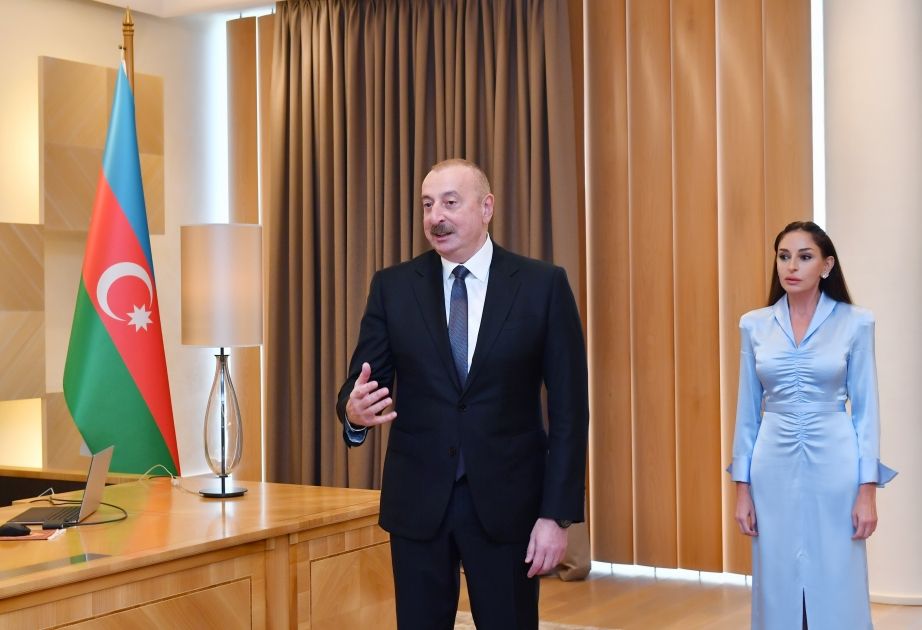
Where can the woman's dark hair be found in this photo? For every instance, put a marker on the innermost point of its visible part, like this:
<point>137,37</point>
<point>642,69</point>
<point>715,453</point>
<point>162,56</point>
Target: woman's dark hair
<point>834,286</point>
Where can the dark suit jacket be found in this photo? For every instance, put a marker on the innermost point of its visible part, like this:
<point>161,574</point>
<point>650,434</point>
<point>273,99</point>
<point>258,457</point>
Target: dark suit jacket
<point>517,469</point>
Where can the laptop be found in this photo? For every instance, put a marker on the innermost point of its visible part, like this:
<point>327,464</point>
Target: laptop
<point>58,516</point>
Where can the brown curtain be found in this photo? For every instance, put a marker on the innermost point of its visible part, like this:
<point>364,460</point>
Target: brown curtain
<point>366,96</point>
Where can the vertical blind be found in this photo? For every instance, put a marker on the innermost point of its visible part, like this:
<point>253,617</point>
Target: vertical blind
<point>698,151</point>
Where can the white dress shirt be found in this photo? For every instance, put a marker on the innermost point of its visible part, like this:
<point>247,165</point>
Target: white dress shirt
<point>476,282</point>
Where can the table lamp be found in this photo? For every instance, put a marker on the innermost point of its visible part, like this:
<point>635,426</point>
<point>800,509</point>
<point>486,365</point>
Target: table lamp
<point>222,308</point>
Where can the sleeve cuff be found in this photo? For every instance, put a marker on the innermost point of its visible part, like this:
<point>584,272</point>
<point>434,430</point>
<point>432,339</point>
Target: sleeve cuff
<point>739,469</point>
<point>354,435</point>
<point>873,471</point>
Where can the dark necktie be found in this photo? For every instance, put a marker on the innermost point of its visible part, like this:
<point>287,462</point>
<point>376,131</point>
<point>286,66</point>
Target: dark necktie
<point>457,335</point>
<point>457,322</point>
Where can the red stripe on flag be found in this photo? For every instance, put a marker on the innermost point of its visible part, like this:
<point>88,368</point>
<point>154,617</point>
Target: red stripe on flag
<point>121,287</point>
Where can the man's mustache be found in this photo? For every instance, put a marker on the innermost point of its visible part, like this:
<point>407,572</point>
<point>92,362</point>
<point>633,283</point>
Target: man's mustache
<point>441,229</point>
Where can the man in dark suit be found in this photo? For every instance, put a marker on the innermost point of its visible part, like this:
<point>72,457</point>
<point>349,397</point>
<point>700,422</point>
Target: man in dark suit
<point>472,474</point>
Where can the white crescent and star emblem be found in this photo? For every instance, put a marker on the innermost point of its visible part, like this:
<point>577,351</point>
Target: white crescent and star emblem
<point>140,317</point>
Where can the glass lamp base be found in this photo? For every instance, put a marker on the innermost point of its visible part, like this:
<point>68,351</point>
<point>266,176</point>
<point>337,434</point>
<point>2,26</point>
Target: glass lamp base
<point>223,431</point>
<point>222,493</point>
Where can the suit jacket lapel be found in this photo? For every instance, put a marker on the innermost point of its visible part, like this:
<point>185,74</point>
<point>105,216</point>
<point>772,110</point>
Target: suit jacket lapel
<point>430,295</point>
<point>501,291</point>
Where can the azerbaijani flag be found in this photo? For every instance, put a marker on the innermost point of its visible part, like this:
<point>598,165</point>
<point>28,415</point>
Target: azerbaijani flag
<point>115,378</point>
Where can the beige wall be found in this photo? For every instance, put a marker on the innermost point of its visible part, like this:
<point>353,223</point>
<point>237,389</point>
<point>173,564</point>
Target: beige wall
<point>873,189</point>
<point>188,53</point>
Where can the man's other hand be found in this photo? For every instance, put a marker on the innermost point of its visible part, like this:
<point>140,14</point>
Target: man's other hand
<point>546,546</point>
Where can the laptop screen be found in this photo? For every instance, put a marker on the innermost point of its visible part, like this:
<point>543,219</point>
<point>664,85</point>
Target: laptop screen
<point>95,482</point>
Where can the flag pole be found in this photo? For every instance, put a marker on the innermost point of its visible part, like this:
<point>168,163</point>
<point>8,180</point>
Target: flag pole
<point>128,46</point>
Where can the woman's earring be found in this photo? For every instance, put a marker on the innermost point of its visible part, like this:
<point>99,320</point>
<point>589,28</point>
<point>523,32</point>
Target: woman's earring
<point>824,275</point>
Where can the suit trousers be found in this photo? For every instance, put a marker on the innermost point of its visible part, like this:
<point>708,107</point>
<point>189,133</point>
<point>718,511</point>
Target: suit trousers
<point>427,574</point>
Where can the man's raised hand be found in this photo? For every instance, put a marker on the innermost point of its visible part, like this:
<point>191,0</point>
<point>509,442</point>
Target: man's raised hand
<point>367,401</point>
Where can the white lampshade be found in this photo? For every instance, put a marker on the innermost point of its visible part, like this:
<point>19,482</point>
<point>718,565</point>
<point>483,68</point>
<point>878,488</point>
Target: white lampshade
<point>221,285</point>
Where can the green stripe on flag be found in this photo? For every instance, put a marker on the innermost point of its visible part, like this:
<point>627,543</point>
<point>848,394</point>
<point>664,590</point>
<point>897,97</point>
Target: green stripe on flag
<point>103,399</point>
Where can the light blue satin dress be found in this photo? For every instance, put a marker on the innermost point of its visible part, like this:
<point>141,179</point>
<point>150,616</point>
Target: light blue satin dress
<point>804,455</point>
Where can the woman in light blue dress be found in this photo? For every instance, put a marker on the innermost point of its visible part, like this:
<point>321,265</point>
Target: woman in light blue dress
<point>807,465</point>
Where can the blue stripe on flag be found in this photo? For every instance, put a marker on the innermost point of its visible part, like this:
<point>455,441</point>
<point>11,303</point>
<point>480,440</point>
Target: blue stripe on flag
<point>121,163</point>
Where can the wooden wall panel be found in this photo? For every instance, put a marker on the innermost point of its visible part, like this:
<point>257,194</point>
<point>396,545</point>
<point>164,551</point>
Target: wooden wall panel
<point>265,27</point>
<point>22,254</point>
<point>70,187</point>
<point>788,117</point>
<point>64,253</point>
<point>152,165</point>
<point>61,440</point>
<point>576,59</point>
<point>148,97</point>
<point>608,278</point>
<point>696,308</point>
<point>74,102</point>
<point>697,151</point>
<point>579,536</point>
<point>243,174</point>
<point>22,354</point>
<point>652,316</point>
<point>246,374</point>
<point>243,197</point>
<point>741,213</point>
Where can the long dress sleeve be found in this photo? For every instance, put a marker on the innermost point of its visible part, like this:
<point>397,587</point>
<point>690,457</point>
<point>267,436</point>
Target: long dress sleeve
<point>861,383</point>
<point>748,409</point>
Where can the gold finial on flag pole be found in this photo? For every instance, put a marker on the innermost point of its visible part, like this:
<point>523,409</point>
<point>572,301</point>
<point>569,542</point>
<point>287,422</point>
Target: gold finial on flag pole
<point>128,46</point>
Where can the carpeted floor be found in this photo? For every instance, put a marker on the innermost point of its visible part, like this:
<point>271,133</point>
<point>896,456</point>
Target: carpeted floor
<point>463,621</point>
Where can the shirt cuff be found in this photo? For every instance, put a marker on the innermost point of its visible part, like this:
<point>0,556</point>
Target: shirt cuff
<point>354,435</point>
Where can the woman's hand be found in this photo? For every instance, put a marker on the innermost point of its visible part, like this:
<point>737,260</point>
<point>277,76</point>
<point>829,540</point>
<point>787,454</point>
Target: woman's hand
<point>864,514</point>
<point>745,510</point>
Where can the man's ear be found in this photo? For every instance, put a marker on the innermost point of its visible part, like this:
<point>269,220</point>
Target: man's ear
<point>487,205</point>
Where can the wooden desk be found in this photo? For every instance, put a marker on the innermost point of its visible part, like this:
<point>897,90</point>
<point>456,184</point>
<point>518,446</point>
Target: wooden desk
<point>281,556</point>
